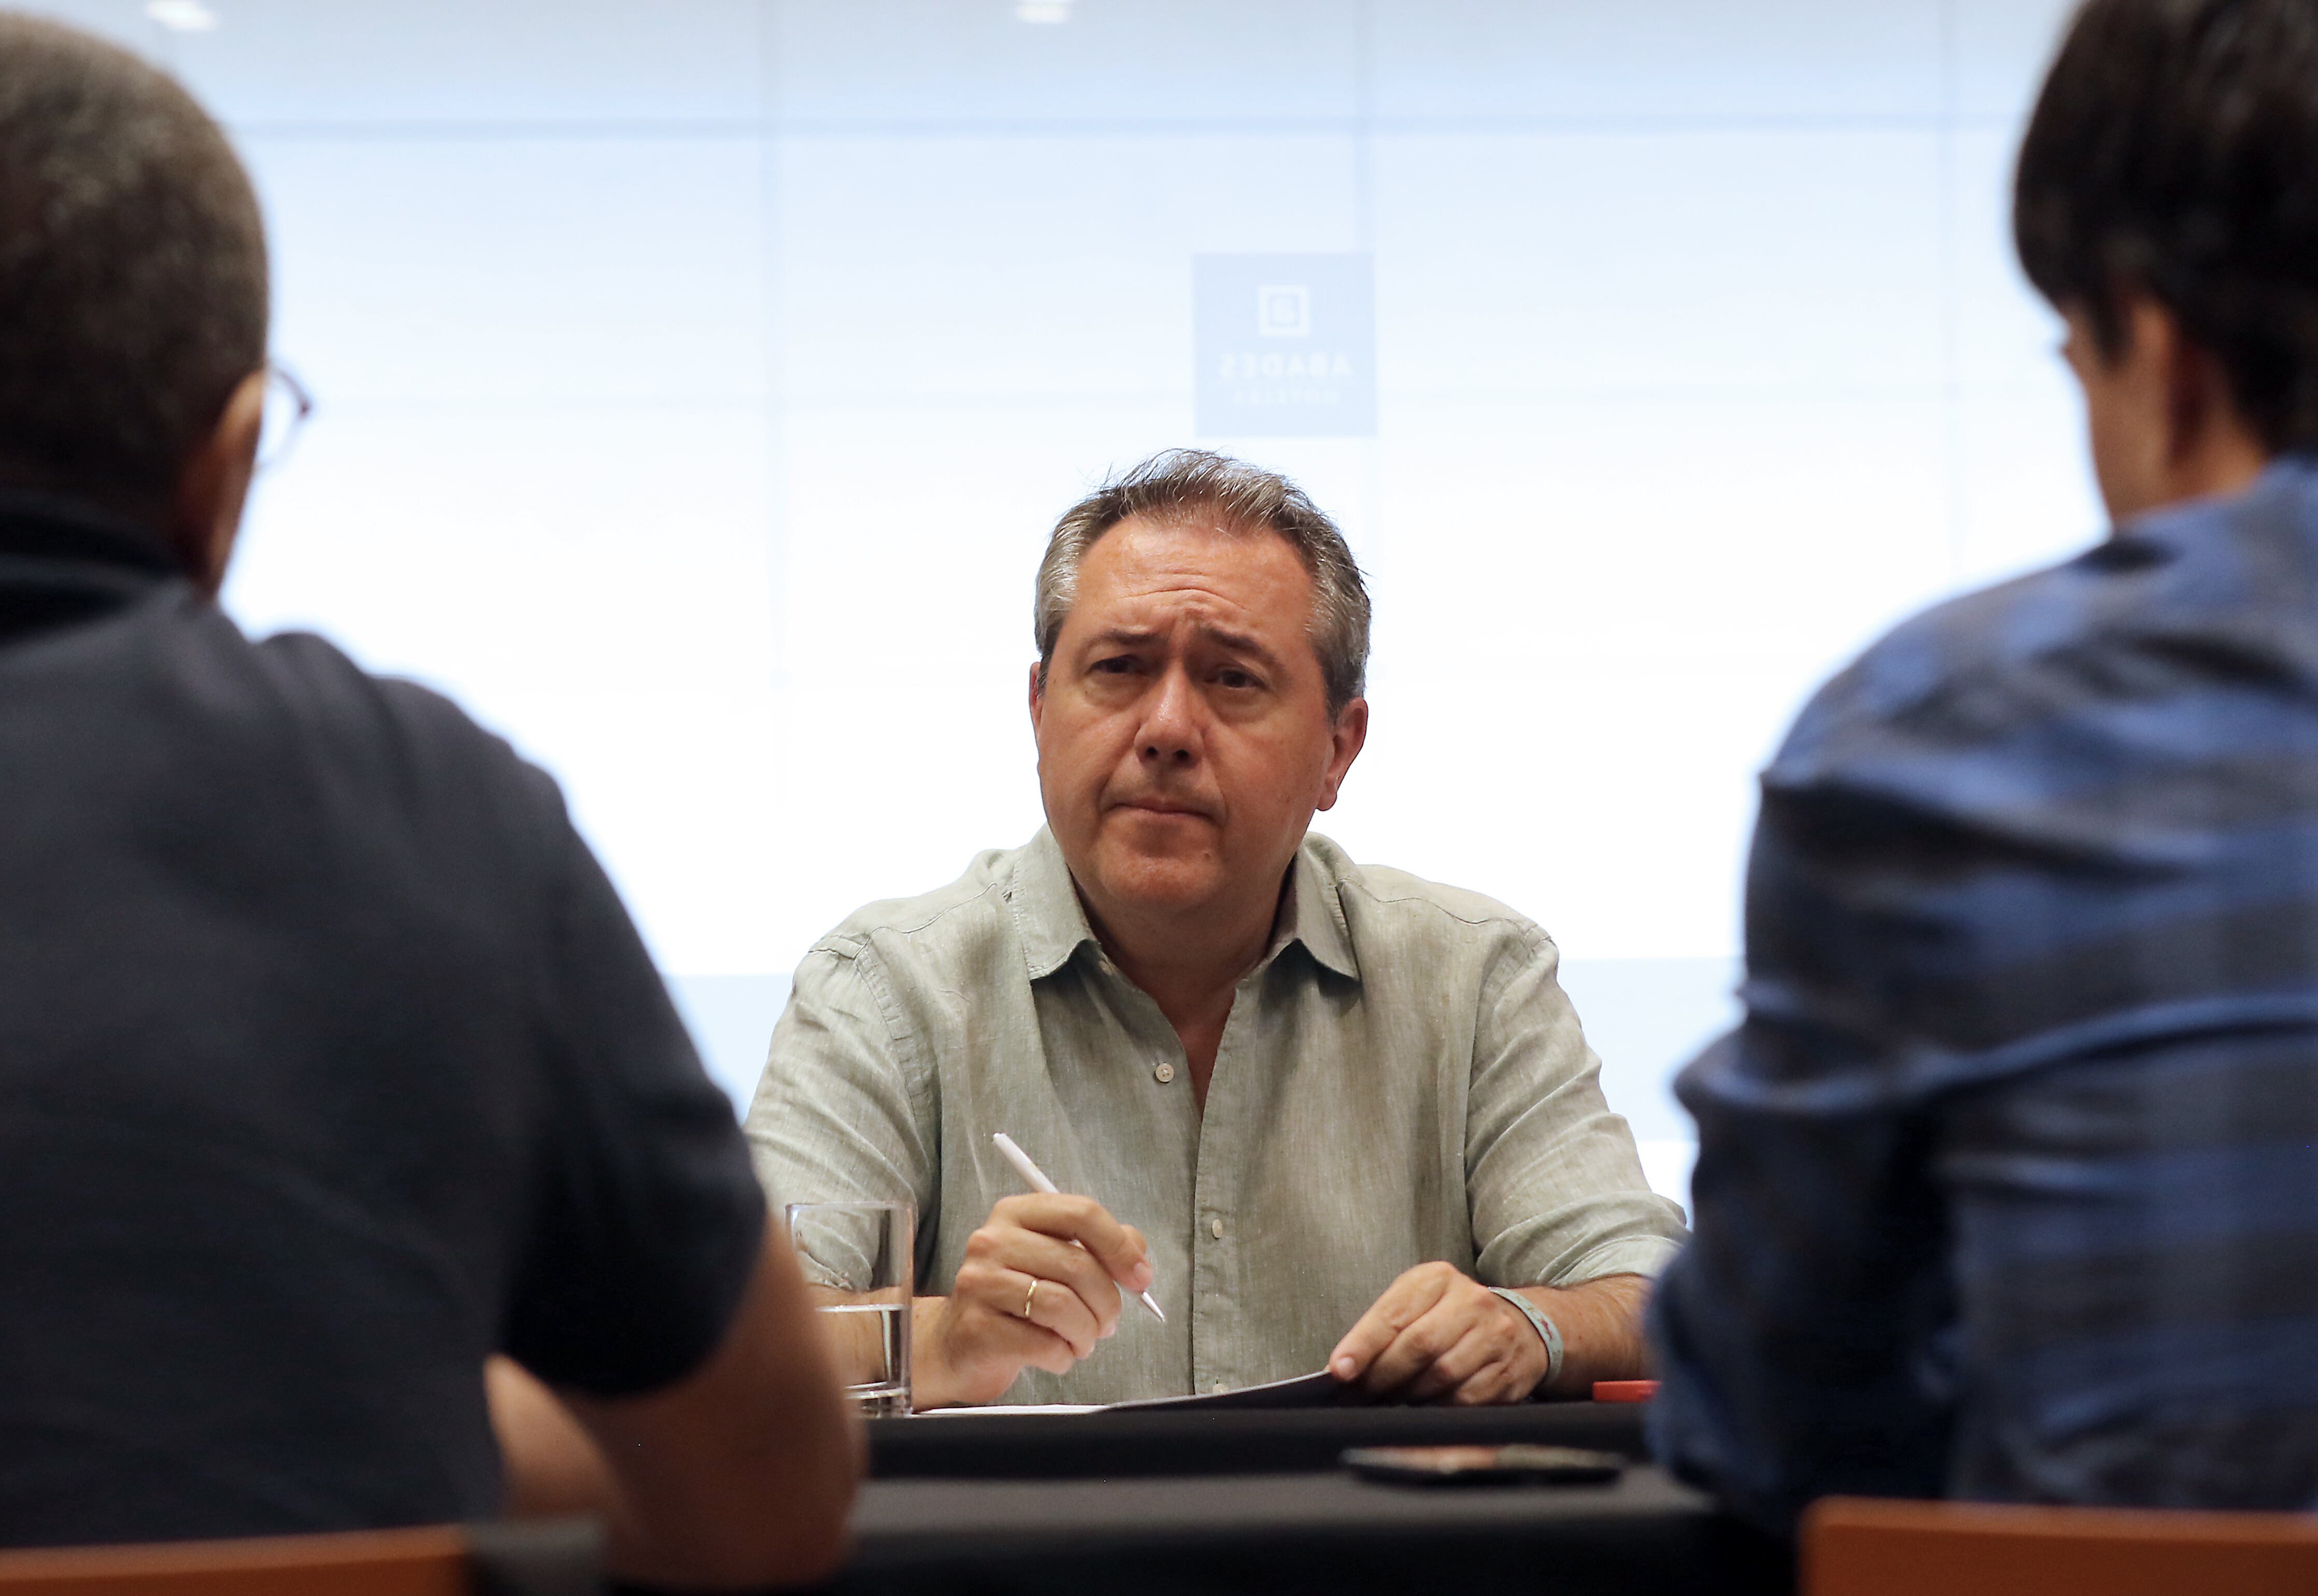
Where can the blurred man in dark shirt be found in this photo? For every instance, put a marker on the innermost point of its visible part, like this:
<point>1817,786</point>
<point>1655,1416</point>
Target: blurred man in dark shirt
<point>2006,1185</point>
<point>330,1065</point>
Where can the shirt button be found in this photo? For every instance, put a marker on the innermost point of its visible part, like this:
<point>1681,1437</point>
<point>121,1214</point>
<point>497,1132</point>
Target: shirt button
<point>1215,1229</point>
<point>1163,1073</point>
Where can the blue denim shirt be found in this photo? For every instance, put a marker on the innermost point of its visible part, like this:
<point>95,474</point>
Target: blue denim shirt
<point>2006,1186</point>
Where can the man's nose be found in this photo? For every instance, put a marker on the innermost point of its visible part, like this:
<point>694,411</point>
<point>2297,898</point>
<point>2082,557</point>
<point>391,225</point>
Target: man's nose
<point>1171,728</point>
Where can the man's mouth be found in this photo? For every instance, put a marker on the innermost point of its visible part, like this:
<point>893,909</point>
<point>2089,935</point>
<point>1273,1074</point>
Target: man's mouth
<point>1163,806</point>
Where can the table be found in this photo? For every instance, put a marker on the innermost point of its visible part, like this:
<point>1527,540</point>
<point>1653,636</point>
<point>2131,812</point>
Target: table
<point>1138,1504</point>
<point>1132,1445</point>
<point>1288,1534</point>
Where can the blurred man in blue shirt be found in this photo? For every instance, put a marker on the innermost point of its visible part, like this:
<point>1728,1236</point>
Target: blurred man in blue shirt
<point>2007,1186</point>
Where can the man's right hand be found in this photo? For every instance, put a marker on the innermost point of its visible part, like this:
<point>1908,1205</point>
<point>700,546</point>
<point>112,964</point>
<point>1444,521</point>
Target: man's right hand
<point>1040,1287</point>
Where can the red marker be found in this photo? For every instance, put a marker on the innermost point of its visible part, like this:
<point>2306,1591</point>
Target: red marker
<point>1624,1390</point>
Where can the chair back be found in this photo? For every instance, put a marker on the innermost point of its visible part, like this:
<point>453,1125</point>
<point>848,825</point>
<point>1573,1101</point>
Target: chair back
<point>550,1558</point>
<point>1862,1546</point>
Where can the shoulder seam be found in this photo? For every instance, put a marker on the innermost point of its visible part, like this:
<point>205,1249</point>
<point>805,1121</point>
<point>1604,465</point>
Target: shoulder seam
<point>850,942</point>
<point>860,958</point>
<point>1528,928</point>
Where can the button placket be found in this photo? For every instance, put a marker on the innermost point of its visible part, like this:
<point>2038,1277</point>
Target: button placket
<point>1219,1317</point>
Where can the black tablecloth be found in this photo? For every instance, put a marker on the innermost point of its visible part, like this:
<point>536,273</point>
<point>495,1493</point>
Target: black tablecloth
<point>1130,1445</point>
<point>1288,1534</point>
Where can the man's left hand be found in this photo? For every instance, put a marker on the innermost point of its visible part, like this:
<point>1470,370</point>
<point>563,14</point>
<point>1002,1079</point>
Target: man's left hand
<point>1436,1335</point>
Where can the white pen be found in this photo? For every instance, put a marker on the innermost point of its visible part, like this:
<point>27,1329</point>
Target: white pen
<point>1038,1182</point>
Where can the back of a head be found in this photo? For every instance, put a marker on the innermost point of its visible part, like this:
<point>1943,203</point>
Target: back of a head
<point>2174,151</point>
<point>133,271</point>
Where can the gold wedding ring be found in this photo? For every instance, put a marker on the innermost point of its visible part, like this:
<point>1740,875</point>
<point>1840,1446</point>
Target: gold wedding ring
<point>1031,1295</point>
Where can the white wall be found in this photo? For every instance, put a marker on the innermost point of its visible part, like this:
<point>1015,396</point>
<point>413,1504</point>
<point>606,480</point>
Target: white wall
<point>698,379</point>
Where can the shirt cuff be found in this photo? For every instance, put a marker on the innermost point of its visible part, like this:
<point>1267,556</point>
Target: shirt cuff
<point>1636,1255</point>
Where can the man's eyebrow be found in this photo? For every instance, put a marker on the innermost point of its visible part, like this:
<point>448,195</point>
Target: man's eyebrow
<point>1124,636</point>
<point>1240,642</point>
<point>1129,637</point>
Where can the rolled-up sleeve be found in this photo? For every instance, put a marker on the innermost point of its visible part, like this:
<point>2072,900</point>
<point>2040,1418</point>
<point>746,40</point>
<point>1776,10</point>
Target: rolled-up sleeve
<point>843,1111</point>
<point>1556,1187</point>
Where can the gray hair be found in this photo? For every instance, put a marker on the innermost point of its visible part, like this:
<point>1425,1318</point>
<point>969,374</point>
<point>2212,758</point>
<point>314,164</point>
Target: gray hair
<point>1180,482</point>
<point>132,270</point>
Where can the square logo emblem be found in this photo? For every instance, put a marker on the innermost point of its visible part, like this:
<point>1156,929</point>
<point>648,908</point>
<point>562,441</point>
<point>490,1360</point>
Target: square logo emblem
<point>1284,310</point>
<point>1285,345</point>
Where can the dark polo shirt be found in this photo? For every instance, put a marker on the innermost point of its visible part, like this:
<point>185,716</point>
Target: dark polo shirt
<point>330,1064</point>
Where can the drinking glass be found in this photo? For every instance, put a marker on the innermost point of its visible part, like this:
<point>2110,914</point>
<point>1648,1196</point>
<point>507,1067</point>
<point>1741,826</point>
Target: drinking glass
<point>857,1259</point>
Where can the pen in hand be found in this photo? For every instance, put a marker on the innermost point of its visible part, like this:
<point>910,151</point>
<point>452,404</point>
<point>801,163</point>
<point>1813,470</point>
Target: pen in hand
<point>1038,1182</point>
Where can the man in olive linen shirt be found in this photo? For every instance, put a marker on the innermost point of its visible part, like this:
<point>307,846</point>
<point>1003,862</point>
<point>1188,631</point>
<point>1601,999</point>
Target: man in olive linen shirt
<point>1341,1103</point>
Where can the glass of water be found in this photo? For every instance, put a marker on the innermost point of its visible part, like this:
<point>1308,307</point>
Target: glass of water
<point>857,1262</point>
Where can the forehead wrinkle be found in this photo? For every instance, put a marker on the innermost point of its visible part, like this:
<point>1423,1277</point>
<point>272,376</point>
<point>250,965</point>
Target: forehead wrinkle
<point>1181,546</point>
<point>1155,578</point>
<point>1157,581</point>
<point>1181,601</point>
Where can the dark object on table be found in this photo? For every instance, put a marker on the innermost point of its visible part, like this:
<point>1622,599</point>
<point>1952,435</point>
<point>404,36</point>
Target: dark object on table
<point>1519,1463</point>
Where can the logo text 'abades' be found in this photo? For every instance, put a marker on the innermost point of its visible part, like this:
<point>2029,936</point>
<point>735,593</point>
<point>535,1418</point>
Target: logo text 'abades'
<point>1285,345</point>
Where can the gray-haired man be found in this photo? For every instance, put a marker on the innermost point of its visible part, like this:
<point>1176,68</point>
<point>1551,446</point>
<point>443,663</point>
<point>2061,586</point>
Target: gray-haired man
<point>1350,1111</point>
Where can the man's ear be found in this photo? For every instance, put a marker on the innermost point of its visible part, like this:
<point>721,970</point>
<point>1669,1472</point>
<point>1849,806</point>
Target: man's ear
<point>213,485</point>
<point>1349,736</point>
<point>1037,693</point>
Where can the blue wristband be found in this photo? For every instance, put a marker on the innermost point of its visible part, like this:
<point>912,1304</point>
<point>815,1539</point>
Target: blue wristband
<point>1547,1331</point>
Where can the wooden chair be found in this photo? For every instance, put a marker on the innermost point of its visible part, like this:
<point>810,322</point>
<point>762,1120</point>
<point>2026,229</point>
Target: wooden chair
<point>1858,1547</point>
<point>547,1559</point>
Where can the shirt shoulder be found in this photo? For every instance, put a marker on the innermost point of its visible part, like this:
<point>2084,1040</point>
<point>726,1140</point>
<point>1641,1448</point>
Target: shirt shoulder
<point>1383,904</point>
<point>963,914</point>
<point>385,717</point>
<point>1963,662</point>
<point>2217,591</point>
<point>404,752</point>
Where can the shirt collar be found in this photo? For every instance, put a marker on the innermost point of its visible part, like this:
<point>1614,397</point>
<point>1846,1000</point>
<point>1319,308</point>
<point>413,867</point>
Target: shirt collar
<point>62,564</point>
<point>50,527</point>
<point>1054,923</point>
<point>1046,907</point>
<point>1316,914</point>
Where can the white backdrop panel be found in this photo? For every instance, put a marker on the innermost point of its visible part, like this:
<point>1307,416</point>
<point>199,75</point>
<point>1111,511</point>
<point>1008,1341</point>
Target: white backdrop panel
<point>698,381</point>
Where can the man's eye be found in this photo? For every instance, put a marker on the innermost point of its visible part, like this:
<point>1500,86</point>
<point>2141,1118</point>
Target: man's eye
<point>1118,665</point>
<point>1234,678</point>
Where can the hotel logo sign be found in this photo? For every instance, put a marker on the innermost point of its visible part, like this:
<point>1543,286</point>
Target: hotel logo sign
<point>1285,345</point>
